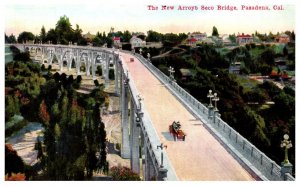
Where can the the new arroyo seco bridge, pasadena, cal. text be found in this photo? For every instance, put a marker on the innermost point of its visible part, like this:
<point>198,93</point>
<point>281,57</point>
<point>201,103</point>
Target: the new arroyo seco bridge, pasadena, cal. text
<point>149,102</point>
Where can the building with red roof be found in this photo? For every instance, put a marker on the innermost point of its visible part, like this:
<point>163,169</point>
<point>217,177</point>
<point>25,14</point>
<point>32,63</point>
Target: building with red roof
<point>244,38</point>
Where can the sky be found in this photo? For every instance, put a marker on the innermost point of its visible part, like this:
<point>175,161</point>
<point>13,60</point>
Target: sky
<point>100,15</point>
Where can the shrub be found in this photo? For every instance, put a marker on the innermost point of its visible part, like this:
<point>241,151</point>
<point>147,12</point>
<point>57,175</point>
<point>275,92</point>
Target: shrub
<point>121,173</point>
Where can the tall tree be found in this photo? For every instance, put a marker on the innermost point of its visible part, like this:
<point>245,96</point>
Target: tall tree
<point>25,36</point>
<point>52,36</point>
<point>215,31</point>
<point>126,36</point>
<point>64,30</point>
<point>43,34</point>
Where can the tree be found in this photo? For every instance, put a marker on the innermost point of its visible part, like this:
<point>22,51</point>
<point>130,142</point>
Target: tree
<point>215,31</point>
<point>64,30</point>
<point>121,173</point>
<point>10,39</point>
<point>126,36</point>
<point>25,36</point>
<point>51,36</point>
<point>13,162</point>
<point>153,36</point>
<point>43,113</point>
<point>38,147</point>
<point>15,177</point>
<point>43,35</point>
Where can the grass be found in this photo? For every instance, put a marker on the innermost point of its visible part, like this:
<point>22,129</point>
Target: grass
<point>247,83</point>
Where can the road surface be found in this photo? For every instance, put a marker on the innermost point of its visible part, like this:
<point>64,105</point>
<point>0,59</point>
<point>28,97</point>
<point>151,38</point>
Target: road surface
<point>200,157</point>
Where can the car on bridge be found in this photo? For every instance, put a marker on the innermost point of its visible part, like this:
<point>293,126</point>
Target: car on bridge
<point>175,130</point>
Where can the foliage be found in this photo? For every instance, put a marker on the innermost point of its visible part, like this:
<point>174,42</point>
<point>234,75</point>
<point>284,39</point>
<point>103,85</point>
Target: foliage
<point>120,173</point>
<point>10,39</point>
<point>15,177</point>
<point>215,31</point>
<point>43,35</point>
<point>13,163</point>
<point>25,36</point>
<point>15,128</point>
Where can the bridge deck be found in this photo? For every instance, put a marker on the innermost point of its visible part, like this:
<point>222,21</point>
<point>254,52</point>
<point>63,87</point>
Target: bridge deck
<point>200,156</point>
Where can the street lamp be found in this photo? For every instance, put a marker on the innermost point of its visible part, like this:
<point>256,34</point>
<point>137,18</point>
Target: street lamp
<point>215,99</point>
<point>210,96</point>
<point>286,144</point>
<point>161,146</point>
<point>171,70</point>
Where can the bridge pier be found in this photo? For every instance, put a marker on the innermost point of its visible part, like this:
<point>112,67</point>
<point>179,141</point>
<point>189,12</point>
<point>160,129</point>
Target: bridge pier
<point>107,69</point>
<point>116,72</point>
<point>134,139</point>
<point>125,152</point>
<point>149,169</point>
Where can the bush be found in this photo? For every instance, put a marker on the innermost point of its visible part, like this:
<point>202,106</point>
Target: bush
<point>121,173</point>
<point>16,127</point>
<point>82,68</point>
<point>96,82</point>
<point>43,67</point>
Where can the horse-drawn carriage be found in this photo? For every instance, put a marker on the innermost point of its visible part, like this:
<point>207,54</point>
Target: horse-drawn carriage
<point>175,130</point>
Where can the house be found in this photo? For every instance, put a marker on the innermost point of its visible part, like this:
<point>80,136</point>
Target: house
<point>137,42</point>
<point>225,39</point>
<point>244,39</point>
<point>185,74</point>
<point>192,41</point>
<point>235,68</point>
<point>208,41</point>
<point>283,38</point>
<point>198,36</point>
<point>117,41</point>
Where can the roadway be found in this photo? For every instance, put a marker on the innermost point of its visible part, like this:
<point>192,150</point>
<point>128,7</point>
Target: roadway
<point>200,157</point>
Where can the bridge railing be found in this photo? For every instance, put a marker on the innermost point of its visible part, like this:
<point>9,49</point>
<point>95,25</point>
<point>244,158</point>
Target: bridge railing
<point>250,156</point>
<point>258,159</point>
<point>150,133</point>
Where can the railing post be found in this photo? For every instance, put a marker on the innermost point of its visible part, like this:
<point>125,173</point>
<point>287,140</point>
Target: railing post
<point>216,115</point>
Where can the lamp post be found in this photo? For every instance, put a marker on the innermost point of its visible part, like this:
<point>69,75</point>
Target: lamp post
<point>210,96</point>
<point>161,146</point>
<point>215,99</point>
<point>286,144</point>
<point>171,70</point>
<point>286,166</point>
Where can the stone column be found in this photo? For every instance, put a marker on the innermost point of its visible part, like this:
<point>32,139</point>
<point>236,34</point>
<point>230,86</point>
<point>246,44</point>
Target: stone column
<point>125,152</point>
<point>285,169</point>
<point>51,56</point>
<point>121,85</point>
<point>116,72</point>
<point>88,64</point>
<point>134,139</point>
<point>94,67</point>
<point>61,62</point>
<point>69,61</point>
<point>78,62</point>
<point>162,174</point>
<point>216,114</point>
<point>107,70</point>
<point>149,166</point>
